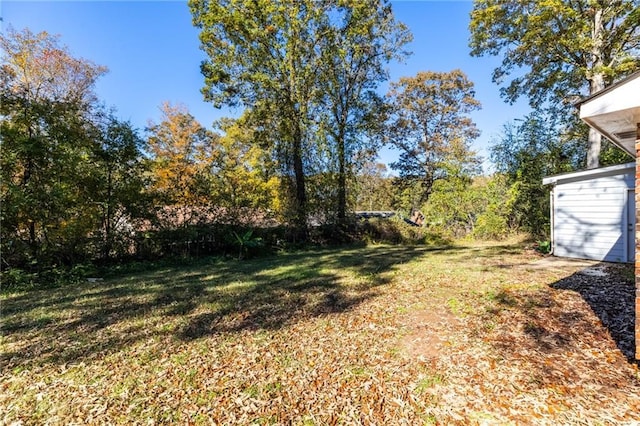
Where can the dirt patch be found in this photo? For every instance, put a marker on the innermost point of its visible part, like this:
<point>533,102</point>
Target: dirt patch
<point>559,264</point>
<point>428,332</point>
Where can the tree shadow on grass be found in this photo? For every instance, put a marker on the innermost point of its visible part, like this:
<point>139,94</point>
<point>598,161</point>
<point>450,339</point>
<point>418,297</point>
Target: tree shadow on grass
<point>82,322</point>
<point>312,287</point>
<point>492,256</point>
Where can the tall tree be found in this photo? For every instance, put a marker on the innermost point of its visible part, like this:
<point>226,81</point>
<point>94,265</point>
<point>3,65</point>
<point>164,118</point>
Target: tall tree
<point>429,123</point>
<point>527,152</point>
<point>119,182</point>
<point>308,70</point>
<point>263,55</point>
<point>180,148</point>
<point>46,100</point>
<point>558,50</point>
<point>362,38</point>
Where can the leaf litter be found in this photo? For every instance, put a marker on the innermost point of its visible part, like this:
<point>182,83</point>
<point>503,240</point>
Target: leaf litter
<point>469,335</point>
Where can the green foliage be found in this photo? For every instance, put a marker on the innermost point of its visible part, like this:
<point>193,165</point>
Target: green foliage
<point>181,149</point>
<point>119,186</point>
<point>478,207</point>
<point>200,177</point>
<point>262,56</point>
<point>242,174</point>
<point>526,154</point>
<point>452,207</point>
<point>407,194</point>
<point>611,155</point>
<point>352,112</point>
<point>544,246</point>
<point>48,277</point>
<point>491,226</point>
<point>374,188</point>
<point>560,45</point>
<point>300,69</point>
<point>183,241</point>
<point>558,50</point>
<point>46,101</point>
<point>429,124</point>
<point>494,222</point>
<point>396,231</point>
<point>214,239</point>
<point>247,241</point>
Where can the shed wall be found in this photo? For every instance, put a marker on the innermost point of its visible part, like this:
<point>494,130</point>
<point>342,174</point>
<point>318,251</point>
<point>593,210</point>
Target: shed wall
<point>590,218</point>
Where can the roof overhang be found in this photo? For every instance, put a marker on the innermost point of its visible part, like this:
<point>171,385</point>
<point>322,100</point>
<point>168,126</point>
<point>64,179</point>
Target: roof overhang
<point>615,112</point>
<point>617,169</point>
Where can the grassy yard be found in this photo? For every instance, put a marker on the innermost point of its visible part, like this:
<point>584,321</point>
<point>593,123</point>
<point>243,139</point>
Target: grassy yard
<point>361,335</point>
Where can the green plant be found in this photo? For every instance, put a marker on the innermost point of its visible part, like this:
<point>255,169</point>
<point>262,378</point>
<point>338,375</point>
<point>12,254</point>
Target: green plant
<point>17,278</point>
<point>56,276</point>
<point>544,247</point>
<point>429,380</point>
<point>396,231</point>
<point>246,241</point>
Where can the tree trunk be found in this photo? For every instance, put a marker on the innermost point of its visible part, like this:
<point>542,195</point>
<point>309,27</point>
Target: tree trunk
<point>26,181</point>
<point>300,202</point>
<point>342,179</point>
<point>109,213</point>
<point>595,138</point>
<point>593,150</point>
<point>596,83</point>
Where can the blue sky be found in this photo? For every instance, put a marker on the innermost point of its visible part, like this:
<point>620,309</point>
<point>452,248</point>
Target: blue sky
<point>152,52</point>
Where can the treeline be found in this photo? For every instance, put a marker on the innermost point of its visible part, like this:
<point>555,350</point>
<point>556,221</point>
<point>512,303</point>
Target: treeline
<point>509,200</point>
<point>80,187</point>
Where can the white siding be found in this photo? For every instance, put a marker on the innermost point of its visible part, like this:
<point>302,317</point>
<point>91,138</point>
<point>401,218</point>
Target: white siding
<point>590,216</point>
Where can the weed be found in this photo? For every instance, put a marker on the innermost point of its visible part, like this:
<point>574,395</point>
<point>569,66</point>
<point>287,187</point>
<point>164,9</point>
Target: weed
<point>358,371</point>
<point>253,391</point>
<point>272,389</point>
<point>430,419</point>
<point>544,247</point>
<point>454,306</point>
<point>428,381</point>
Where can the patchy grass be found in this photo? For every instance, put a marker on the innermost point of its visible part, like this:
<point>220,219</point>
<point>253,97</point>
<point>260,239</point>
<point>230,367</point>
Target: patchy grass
<point>379,334</point>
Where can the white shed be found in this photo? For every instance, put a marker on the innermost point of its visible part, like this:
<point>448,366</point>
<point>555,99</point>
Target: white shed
<point>593,213</point>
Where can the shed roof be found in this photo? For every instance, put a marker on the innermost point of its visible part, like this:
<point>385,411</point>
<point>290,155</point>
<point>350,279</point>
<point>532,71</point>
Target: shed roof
<point>589,174</point>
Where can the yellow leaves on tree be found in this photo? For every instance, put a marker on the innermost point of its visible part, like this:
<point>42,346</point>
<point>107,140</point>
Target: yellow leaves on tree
<point>243,175</point>
<point>193,166</point>
<point>180,147</point>
<point>42,69</point>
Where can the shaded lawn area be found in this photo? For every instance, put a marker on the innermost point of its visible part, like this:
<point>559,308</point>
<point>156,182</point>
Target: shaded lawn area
<point>357,335</point>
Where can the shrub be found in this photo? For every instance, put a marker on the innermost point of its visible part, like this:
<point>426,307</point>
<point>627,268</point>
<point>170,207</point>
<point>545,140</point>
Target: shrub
<point>544,247</point>
<point>491,226</point>
<point>395,231</point>
<point>20,279</point>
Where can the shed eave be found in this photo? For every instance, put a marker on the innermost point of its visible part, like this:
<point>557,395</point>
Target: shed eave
<point>588,174</point>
